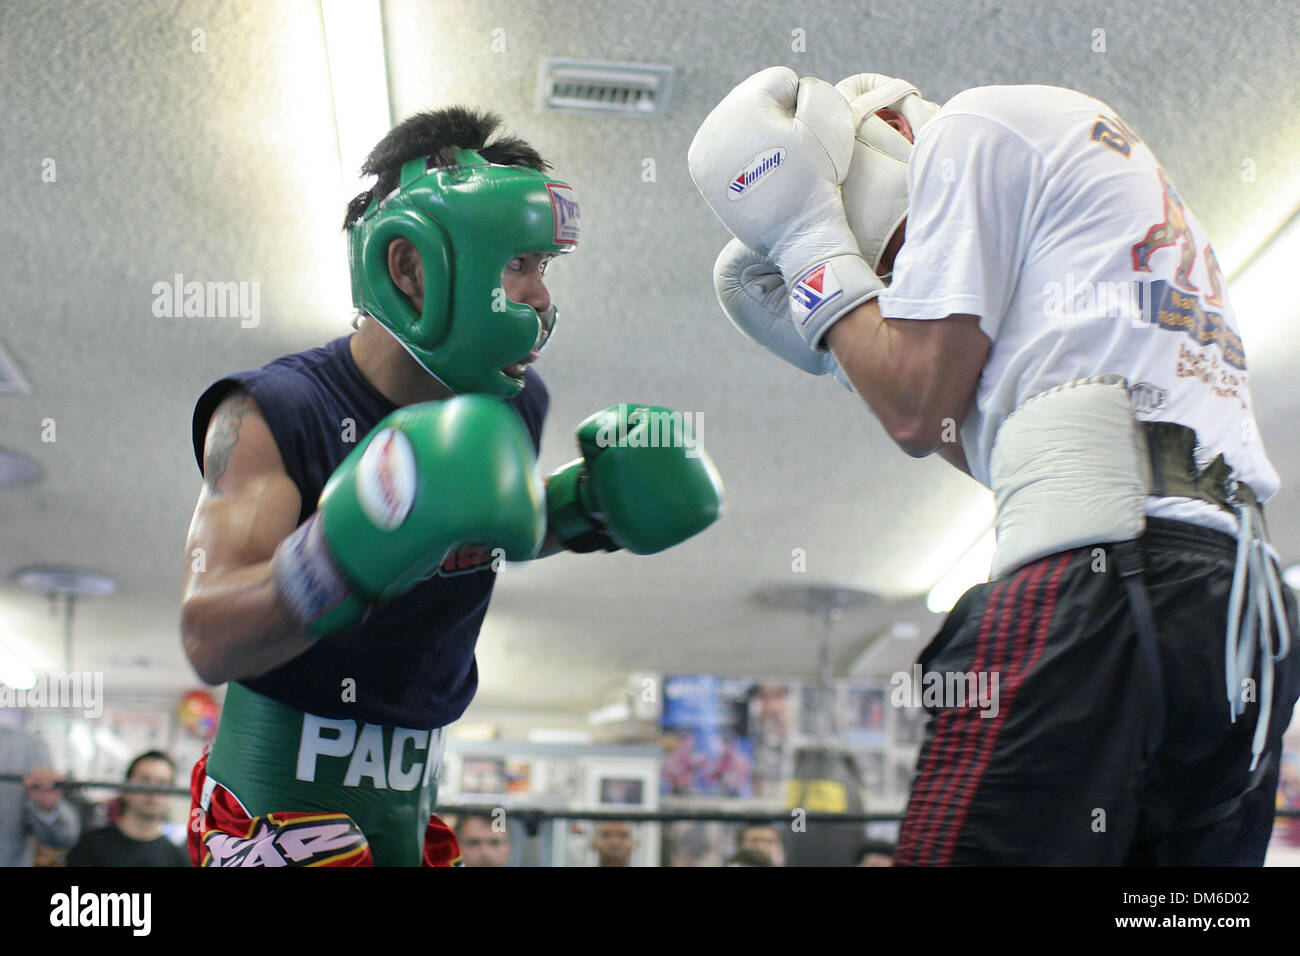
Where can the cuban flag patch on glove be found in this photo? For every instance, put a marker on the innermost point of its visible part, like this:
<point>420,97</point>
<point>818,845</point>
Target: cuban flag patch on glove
<point>810,291</point>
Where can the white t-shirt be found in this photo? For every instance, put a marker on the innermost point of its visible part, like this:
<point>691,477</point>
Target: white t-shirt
<point>1036,209</point>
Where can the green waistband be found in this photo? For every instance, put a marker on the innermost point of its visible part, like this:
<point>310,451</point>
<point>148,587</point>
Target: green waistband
<point>275,758</point>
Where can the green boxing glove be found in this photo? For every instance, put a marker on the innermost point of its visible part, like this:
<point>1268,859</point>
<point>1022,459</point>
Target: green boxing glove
<point>643,483</point>
<point>428,479</point>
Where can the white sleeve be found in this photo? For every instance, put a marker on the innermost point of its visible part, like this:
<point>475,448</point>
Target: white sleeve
<point>973,186</point>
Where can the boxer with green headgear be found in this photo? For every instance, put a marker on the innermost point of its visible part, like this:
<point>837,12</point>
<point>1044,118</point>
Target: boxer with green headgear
<point>467,222</point>
<point>359,496</point>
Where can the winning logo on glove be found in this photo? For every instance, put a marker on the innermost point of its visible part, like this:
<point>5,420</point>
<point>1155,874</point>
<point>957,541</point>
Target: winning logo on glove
<point>754,172</point>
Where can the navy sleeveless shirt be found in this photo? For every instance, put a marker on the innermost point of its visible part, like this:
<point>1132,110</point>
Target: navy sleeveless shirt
<point>413,659</point>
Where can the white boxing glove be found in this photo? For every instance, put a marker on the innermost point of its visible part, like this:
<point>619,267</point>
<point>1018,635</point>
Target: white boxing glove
<point>769,161</point>
<point>875,191</point>
<point>753,294</point>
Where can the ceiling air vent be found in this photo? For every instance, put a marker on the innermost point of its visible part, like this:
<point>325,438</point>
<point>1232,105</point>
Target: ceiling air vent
<point>620,89</point>
<point>11,380</point>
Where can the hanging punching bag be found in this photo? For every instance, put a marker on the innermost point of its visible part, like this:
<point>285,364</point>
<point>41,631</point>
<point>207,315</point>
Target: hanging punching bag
<point>825,781</point>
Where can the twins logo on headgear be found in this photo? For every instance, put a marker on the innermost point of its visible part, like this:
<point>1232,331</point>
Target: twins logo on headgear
<point>467,222</point>
<point>875,190</point>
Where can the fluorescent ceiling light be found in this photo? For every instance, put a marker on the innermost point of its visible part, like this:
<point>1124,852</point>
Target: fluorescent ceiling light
<point>972,569</point>
<point>1261,289</point>
<point>354,50</point>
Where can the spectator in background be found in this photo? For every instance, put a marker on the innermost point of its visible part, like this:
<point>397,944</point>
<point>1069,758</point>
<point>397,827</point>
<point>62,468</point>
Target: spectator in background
<point>481,843</point>
<point>36,807</point>
<point>136,838</point>
<point>876,853</point>
<point>764,838</point>
<point>613,841</point>
<point>691,843</point>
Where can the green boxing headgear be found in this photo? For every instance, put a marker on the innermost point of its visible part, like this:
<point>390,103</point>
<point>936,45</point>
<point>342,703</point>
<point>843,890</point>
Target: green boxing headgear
<point>466,222</point>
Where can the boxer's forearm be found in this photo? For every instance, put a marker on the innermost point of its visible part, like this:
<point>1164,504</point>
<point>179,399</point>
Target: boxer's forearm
<point>235,626</point>
<point>919,377</point>
<point>883,373</point>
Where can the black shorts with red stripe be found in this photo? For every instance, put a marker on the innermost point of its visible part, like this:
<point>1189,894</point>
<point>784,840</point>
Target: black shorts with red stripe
<point>1064,769</point>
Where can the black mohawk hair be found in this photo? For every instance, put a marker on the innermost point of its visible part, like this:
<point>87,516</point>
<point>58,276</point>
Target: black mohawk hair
<point>438,134</point>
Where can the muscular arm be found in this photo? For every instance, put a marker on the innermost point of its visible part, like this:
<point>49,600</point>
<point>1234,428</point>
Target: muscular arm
<point>232,623</point>
<point>918,377</point>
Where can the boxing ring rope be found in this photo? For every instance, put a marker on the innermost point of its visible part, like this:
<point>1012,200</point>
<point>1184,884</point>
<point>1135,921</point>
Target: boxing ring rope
<point>532,817</point>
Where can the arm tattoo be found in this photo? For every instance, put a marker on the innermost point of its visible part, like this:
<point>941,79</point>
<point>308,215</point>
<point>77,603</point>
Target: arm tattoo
<point>224,433</point>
